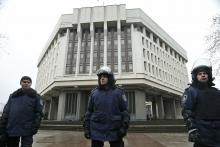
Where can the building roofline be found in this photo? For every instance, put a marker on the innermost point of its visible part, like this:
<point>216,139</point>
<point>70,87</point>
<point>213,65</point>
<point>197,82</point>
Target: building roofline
<point>141,16</point>
<point>51,37</point>
<point>155,28</point>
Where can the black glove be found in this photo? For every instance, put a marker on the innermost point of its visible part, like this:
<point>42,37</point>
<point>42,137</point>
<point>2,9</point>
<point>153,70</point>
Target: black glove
<point>87,134</point>
<point>122,132</point>
<point>3,137</point>
<point>194,135</point>
<point>34,131</point>
<point>35,128</point>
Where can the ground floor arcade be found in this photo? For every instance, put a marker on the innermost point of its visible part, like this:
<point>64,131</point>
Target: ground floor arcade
<point>71,104</point>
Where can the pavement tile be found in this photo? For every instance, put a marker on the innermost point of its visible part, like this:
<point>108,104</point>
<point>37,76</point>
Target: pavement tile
<point>50,138</point>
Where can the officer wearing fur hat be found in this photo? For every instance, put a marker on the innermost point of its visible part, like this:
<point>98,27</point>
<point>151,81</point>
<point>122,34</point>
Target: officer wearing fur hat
<point>21,116</point>
<point>107,117</point>
<point>201,107</point>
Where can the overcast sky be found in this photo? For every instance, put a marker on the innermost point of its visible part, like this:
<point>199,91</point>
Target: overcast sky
<point>26,25</point>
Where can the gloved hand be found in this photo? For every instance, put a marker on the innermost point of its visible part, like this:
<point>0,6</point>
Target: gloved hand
<point>87,134</point>
<point>122,132</point>
<point>3,137</point>
<point>34,131</point>
<point>194,135</point>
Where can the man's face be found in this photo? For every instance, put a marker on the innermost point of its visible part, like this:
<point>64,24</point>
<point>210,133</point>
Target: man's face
<point>202,76</point>
<point>25,84</point>
<point>104,79</point>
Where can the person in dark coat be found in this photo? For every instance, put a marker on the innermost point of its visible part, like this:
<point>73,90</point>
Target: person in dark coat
<point>107,117</point>
<point>3,134</point>
<point>21,115</point>
<point>201,107</point>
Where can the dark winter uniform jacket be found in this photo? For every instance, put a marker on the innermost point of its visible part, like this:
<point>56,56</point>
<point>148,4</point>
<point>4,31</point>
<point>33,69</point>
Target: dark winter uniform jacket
<point>22,113</point>
<point>201,110</point>
<point>106,114</point>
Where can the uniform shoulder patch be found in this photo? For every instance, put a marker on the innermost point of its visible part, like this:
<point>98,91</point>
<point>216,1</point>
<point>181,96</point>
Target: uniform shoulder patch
<point>124,98</point>
<point>184,97</point>
<point>93,90</point>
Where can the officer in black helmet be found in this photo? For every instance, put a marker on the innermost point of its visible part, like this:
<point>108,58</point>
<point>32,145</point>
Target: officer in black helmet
<point>201,107</point>
<point>107,118</point>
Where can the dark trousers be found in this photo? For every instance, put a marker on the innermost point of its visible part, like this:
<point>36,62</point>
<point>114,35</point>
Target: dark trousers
<point>26,141</point>
<point>200,145</point>
<point>118,143</point>
<point>2,144</point>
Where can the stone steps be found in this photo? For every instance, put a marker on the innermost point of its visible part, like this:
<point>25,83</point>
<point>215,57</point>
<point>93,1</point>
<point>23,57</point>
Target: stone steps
<point>153,126</point>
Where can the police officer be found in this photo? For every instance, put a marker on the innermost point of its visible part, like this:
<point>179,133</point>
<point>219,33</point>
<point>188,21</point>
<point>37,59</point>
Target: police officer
<point>21,116</point>
<point>107,117</point>
<point>3,134</point>
<point>201,107</point>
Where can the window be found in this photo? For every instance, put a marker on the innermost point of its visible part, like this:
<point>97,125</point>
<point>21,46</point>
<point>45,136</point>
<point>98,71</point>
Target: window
<point>85,51</point>
<point>70,106</point>
<point>126,50</point>
<point>145,65</point>
<point>148,55</point>
<point>98,49</point>
<point>142,40</point>
<point>71,53</point>
<point>144,52</point>
<point>112,48</point>
<point>131,101</point>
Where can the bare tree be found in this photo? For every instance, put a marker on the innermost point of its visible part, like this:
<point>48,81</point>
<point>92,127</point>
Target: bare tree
<point>2,2</point>
<point>213,44</point>
<point>3,37</point>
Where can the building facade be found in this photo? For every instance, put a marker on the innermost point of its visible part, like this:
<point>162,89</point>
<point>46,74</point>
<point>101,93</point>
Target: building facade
<point>148,64</point>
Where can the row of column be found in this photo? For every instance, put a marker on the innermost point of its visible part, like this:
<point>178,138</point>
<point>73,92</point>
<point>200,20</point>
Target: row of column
<point>161,108</point>
<point>166,108</point>
<point>79,34</point>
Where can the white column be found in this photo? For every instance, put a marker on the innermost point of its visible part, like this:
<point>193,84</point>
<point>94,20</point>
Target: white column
<point>160,107</point>
<point>158,41</point>
<point>50,109</point>
<point>133,49</point>
<point>144,31</point>
<point>173,108</point>
<point>66,50</point>
<point>140,106</point>
<point>79,95</point>
<point>79,32</point>
<point>91,48</point>
<point>178,110</point>
<point>119,46</point>
<point>155,109</point>
<point>105,43</point>
<point>163,45</point>
<point>151,37</point>
<point>61,106</point>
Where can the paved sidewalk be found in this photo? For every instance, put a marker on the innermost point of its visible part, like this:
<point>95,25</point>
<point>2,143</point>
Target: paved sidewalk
<point>46,138</point>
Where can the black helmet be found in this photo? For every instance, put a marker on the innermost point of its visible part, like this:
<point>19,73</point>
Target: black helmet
<point>105,70</point>
<point>202,64</point>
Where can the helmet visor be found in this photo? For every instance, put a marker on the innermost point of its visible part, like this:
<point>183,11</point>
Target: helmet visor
<point>202,62</point>
<point>104,70</point>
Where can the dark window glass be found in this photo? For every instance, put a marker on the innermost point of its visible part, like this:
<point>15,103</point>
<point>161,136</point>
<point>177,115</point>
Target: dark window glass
<point>131,101</point>
<point>85,51</point>
<point>98,49</point>
<point>112,49</point>
<point>71,53</point>
<point>126,50</point>
<point>70,106</point>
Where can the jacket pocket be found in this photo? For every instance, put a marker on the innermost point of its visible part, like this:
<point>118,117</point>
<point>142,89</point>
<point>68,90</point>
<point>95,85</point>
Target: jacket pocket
<point>116,122</point>
<point>99,117</point>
